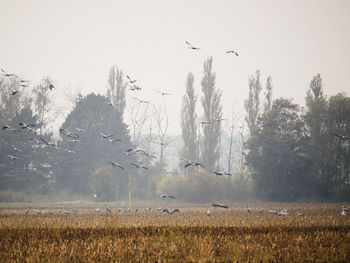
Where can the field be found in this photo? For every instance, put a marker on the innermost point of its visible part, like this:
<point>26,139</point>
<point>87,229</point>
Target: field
<point>322,235</point>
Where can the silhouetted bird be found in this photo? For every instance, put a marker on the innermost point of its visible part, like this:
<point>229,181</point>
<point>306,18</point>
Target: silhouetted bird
<point>116,165</point>
<point>131,81</point>
<point>190,46</point>
<point>163,93</point>
<point>220,205</point>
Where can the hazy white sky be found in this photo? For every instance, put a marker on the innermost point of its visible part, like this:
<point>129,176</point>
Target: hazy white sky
<point>76,43</point>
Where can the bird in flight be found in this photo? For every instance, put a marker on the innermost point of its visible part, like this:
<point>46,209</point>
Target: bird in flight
<point>194,163</point>
<point>233,52</point>
<point>109,103</point>
<point>140,101</point>
<point>342,137</point>
<point>51,87</point>
<point>116,165</point>
<point>106,136</point>
<point>12,157</point>
<point>14,92</point>
<point>191,47</point>
<point>16,149</point>
<point>114,140</point>
<point>163,93</point>
<point>221,173</point>
<point>220,205</point>
<point>168,195</point>
<point>131,81</point>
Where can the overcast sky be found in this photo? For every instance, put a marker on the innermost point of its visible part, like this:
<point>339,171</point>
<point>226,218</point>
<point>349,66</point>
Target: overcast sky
<point>76,43</point>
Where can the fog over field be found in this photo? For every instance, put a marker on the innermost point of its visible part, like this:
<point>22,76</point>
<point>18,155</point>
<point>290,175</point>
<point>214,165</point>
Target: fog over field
<point>132,99</point>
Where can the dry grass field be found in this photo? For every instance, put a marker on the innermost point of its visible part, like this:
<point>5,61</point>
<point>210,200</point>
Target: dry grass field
<point>228,235</point>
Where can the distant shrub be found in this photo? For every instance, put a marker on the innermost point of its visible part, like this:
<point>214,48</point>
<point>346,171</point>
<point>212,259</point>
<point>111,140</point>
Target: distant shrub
<point>205,188</point>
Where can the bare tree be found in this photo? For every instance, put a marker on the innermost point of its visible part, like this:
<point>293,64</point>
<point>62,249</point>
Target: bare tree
<point>43,103</point>
<point>162,123</point>
<point>252,104</point>
<point>138,113</point>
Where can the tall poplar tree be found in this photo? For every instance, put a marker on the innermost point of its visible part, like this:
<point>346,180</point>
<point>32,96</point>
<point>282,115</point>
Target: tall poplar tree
<point>211,102</point>
<point>116,89</point>
<point>189,122</point>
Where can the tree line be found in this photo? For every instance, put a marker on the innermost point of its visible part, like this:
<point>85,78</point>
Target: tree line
<point>277,151</point>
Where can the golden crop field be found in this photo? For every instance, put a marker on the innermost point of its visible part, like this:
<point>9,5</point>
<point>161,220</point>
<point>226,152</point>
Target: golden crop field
<point>227,235</point>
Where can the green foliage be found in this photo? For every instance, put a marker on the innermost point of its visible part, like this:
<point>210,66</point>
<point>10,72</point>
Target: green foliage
<point>104,183</point>
<point>94,116</point>
<point>116,89</point>
<point>206,188</point>
<point>189,122</point>
<point>31,170</point>
<point>211,102</point>
<point>277,154</point>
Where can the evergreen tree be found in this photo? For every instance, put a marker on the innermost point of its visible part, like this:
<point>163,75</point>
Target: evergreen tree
<point>278,154</point>
<point>74,167</point>
<point>189,122</point>
<point>211,102</point>
<point>31,169</point>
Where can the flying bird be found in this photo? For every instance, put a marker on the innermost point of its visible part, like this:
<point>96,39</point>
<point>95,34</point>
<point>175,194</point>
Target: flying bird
<point>168,195</point>
<point>12,157</point>
<point>220,205</point>
<point>80,130</point>
<point>131,81</point>
<point>163,93</point>
<point>342,137</point>
<point>114,140</point>
<point>233,52</point>
<point>116,165</point>
<point>140,101</point>
<point>191,47</point>
<point>16,149</point>
<point>51,87</point>
<point>14,92</point>
<point>106,136</point>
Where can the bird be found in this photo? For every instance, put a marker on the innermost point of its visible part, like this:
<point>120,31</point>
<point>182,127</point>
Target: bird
<point>98,210</point>
<point>8,127</point>
<point>261,211</point>
<point>108,209</point>
<point>208,212</point>
<point>114,140</point>
<point>248,209</point>
<point>141,101</point>
<point>171,211</point>
<point>220,119</point>
<point>163,93</point>
<point>25,125</point>
<point>273,212</point>
<point>135,87</point>
<point>106,136</point>
<point>66,212</point>
<point>16,149</point>
<point>48,143</point>
<point>206,122</point>
<point>343,213</point>
<point>12,157</point>
<point>233,52</point>
<point>191,47</point>
<point>131,81</point>
<point>80,130</point>
<point>27,211</point>
<point>139,166</point>
<point>221,173</point>
<point>109,103</point>
<point>168,195</point>
<point>68,151</point>
<point>342,137</point>
<point>300,214</point>
<point>14,92</point>
<point>220,205</point>
<point>116,165</point>
<point>75,141</point>
<point>344,208</point>
<point>51,87</point>
<point>194,163</point>
<point>148,209</point>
